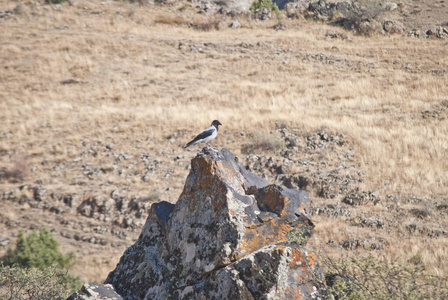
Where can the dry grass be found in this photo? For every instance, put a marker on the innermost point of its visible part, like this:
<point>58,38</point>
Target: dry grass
<point>120,74</point>
<point>398,244</point>
<point>171,20</point>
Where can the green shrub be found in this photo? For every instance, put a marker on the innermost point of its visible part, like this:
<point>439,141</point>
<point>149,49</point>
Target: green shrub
<point>300,235</point>
<point>366,277</point>
<point>36,269</point>
<point>264,4</point>
<point>37,251</point>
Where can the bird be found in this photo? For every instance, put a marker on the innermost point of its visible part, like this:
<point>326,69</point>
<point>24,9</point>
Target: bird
<point>207,135</point>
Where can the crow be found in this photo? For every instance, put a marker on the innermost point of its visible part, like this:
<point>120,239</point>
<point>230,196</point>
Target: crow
<point>207,135</point>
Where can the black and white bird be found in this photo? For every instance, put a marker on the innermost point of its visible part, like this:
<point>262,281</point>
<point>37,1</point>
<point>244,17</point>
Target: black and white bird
<point>207,135</point>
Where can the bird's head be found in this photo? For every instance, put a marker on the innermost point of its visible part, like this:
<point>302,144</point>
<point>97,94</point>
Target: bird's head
<point>216,123</point>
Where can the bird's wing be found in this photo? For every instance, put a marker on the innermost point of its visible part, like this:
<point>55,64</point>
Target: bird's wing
<point>206,133</point>
<point>203,136</point>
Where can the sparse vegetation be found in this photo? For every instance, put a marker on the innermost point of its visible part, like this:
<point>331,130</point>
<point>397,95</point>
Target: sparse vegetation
<point>170,20</point>
<point>264,4</point>
<point>50,283</point>
<point>262,141</point>
<point>299,235</point>
<point>36,269</point>
<point>18,172</point>
<point>364,277</point>
<point>209,22</point>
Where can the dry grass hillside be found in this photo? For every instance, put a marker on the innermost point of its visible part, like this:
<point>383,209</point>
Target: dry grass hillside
<point>98,97</point>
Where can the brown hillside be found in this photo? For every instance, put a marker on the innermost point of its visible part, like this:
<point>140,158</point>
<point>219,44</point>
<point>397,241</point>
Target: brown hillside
<point>97,98</point>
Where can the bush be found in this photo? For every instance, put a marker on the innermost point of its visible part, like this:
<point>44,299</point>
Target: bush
<point>21,167</point>
<point>264,4</point>
<point>50,283</point>
<point>370,278</point>
<point>36,269</point>
<point>37,251</point>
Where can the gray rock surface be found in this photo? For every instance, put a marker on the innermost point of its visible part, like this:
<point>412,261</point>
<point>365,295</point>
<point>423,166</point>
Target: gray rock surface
<point>96,291</point>
<point>230,235</point>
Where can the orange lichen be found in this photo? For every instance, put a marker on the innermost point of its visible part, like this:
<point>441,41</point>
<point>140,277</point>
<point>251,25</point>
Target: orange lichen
<point>269,233</point>
<point>312,259</point>
<point>295,293</point>
<point>297,258</point>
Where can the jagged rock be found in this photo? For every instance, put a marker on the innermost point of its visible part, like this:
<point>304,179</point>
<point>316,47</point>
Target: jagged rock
<point>439,32</point>
<point>263,14</point>
<point>298,6</point>
<point>95,291</point>
<point>393,27</point>
<point>417,33</point>
<point>235,24</point>
<point>230,235</point>
<point>388,5</point>
<point>39,193</point>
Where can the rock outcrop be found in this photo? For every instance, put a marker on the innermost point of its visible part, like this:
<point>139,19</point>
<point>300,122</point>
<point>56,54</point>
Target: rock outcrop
<point>231,235</point>
<point>96,291</point>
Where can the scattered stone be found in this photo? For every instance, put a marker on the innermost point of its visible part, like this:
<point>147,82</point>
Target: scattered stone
<point>372,243</point>
<point>366,221</point>
<point>67,234</point>
<point>421,213</point>
<point>388,5</point>
<point>263,14</point>
<point>39,192</point>
<point>438,32</point>
<point>417,33</point>
<point>361,198</point>
<point>281,26</point>
<point>393,27</point>
<point>294,10</point>
<point>235,24</point>
<point>6,13</point>
<point>4,242</point>
<point>332,211</point>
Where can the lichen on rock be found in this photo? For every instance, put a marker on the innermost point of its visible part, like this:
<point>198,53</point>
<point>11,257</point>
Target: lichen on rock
<point>230,235</point>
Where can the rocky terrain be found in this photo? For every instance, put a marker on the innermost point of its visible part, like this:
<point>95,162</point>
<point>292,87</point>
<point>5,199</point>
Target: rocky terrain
<point>98,98</point>
<point>230,235</point>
